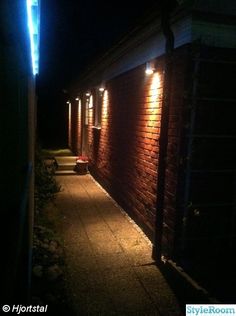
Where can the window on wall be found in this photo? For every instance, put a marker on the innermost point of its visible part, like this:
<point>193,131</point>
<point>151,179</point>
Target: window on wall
<point>98,109</point>
<point>91,101</point>
<point>88,106</point>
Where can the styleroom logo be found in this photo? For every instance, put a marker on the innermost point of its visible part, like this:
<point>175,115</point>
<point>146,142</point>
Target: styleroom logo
<point>210,310</point>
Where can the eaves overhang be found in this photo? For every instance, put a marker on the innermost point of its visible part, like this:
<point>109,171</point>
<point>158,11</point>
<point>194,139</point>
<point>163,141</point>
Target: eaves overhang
<point>146,42</point>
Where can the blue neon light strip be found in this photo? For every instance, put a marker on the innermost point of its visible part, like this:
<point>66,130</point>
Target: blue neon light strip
<point>33,25</point>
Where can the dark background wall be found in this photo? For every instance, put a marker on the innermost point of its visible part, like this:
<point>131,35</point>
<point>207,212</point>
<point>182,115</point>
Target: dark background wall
<point>209,221</point>
<point>16,98</point>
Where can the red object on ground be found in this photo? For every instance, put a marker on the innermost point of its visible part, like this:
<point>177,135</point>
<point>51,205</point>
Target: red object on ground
<point>82,158</point>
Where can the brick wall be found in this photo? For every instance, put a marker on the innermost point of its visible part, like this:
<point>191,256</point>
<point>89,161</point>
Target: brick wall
<point>199,214</point>
<point>74,124</point>
<point>124,153</point>
<point>79,127</point>
<point>91,122</point>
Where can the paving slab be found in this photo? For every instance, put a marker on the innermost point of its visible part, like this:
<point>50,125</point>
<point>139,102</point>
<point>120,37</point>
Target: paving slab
<point>110,270</point>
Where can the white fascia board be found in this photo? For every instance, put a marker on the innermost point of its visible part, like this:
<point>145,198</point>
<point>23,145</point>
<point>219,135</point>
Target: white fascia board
<point>153,47</point>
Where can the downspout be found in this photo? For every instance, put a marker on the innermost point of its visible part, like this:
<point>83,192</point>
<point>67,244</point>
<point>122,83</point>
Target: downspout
<point>166,7</point>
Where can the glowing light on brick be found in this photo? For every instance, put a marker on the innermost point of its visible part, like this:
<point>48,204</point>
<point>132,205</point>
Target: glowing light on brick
<point>149,68</point>
<point>153,98</point>
<point>155,90</point>
<point>105,103</point>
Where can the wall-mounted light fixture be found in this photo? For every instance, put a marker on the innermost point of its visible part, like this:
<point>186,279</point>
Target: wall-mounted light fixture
<point>77,99</point>
<point>87,94</point>
<point>150,67</point>
<point>67,102</point>
<point>101,90</point>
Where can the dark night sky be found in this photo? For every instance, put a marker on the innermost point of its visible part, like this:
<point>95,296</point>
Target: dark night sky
<point>73,33</point>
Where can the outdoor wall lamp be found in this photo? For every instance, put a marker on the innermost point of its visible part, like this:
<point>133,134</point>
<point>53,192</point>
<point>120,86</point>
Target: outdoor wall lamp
<point>77,99</point>
<point>87,94</point>
<point>101,89</point>
<point>150,67</point>
<point>67,102</point>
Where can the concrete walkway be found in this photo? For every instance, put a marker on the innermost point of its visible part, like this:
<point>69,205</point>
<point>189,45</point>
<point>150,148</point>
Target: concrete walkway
<point>109,264</point>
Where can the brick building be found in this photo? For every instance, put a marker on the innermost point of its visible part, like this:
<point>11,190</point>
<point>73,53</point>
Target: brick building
<point>155,116</point>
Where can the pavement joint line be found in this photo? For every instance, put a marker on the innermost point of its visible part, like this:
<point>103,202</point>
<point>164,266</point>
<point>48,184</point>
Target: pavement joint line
<point>132,265</point>
<point>144,264</point>
<point>126,216</point>
<point>123,212</point>
<point>147,292</point>
<point>139,231</point>
<point>97,209</point>
<point>91,246</point>
<point>83,225</point>
<point>94,205</point>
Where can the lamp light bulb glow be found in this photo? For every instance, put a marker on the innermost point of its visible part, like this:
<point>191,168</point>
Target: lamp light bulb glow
<point>149,68</point>
<point>148,71</point>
